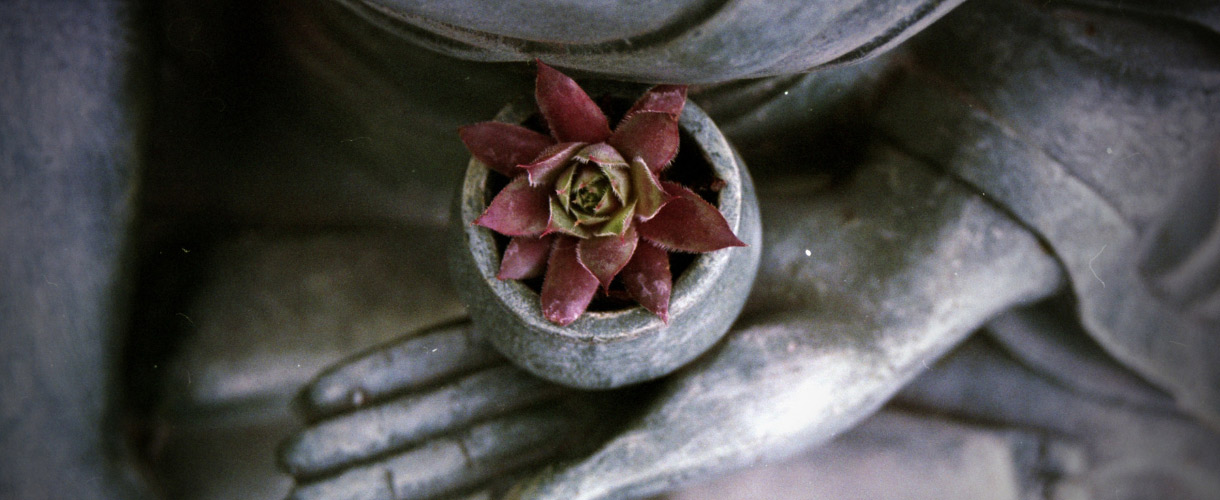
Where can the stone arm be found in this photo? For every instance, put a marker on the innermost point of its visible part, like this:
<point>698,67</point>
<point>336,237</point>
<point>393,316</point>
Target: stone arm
<point>1100,136</point>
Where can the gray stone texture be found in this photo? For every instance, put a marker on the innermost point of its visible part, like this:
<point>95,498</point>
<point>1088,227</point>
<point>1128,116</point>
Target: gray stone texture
<point>689,41</point>
<point>73,112</point>
<point>289,165</point>
<point>1117,173</point>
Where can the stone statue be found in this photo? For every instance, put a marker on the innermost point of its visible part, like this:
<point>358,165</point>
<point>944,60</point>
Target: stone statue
<point>859,289</point>
<point>1046,173</point>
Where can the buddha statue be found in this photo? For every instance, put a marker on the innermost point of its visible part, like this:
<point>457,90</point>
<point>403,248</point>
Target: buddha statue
<point>990,262</point>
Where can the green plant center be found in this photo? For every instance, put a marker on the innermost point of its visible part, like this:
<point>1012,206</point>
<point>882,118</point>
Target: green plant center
<point>586,198</point>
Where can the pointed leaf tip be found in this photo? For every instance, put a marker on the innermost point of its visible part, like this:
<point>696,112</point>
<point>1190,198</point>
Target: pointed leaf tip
<point>650,136</point>
<point>648,280</point>
<point>668,99</point>
<point>517,210</point>
<point>503,146</point>
<point>569,286</point>
<point>548,165</point>
<point>568,110</point>
<point>688,223</point>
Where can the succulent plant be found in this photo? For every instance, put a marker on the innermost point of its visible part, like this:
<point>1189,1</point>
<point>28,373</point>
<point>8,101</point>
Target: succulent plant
<point>586,204</point>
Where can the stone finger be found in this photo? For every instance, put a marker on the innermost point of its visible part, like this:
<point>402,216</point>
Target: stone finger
<point>458,463</point>
<point>400,423</point>
<point>407,365</point>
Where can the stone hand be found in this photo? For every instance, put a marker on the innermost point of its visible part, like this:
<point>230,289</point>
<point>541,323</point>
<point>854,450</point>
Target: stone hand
<point>863,283</point>
<point>434,414</point>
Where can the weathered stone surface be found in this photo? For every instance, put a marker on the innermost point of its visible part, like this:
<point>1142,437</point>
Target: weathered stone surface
<point>277,113</point>
<point>1104,148</point>
<point>893,455</point>
<point>691,41</point>
<point>303,115</point>
<point>269,311</point>
<point>72,114</point>
<point>1116,448</point>
<point>276,307</point>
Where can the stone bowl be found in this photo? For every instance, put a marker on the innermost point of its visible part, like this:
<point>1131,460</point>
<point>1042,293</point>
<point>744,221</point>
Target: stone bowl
<point>607,349</point>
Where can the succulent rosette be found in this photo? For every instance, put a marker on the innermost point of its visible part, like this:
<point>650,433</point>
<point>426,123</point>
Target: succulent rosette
<point>585,204</point>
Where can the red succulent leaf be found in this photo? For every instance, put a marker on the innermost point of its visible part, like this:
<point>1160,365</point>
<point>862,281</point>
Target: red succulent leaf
<point>668,99</point>
<point>503,146</point>
<point>568,110</point>
<point>647,278</point>
<point>568,286</point>
<point>650,136</point>
<point>688,223</point>
<point>605,256</point>
<point>518,210</point>
<point>547,165</point>
<point>525,257</point>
